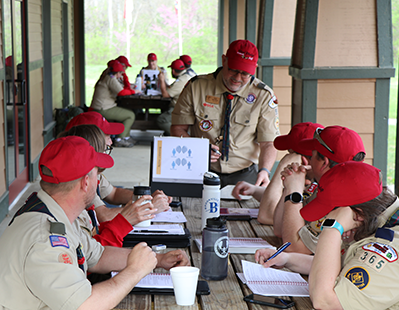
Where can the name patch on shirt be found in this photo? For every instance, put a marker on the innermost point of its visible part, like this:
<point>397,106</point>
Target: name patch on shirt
<point>359,277</point>
<point>212,99</point>
<point>59,241</point>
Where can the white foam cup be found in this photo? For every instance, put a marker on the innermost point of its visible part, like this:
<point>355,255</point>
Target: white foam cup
<point>185,279</point>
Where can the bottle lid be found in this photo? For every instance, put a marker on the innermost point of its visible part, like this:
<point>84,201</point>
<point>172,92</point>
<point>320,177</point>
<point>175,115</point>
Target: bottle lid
<point>211,178</point>
<point>216,222</point>
<point>142,190</point>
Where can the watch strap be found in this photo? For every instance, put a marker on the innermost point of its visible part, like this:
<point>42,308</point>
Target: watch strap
<point>336,225</point>
<point>264,169</point>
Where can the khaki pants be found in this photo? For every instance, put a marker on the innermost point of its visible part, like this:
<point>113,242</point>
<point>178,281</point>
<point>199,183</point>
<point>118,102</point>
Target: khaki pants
<point>119,115</point>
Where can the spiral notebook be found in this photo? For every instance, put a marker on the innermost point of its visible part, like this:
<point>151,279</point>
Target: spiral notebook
<point>273,282</point>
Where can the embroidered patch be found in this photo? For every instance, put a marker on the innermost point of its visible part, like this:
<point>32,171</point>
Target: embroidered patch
<point>205,125</point>
<point>208,105</point>
<point>385,251</point>
<point>359,277</point>
<point>372,260</point>
<point>251,98</point>
<point>273,102</point>
<point>59,241</point>
<point>315,227</point>
<point>65,258</point>
<point>277,123</point>
<point>212,99</point>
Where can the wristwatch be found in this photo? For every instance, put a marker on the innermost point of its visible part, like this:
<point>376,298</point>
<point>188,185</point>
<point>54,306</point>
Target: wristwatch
<point>330,223</point>
<point>295,197</point>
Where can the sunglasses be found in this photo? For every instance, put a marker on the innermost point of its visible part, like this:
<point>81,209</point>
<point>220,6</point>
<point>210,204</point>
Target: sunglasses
<point>108,149</point>
<point>316,136</point>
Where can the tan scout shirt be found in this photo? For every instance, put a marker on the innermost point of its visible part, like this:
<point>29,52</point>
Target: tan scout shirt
<point>177,86</point>
<point>369,277</point>
<point>105,93</point>
<point>38,275</point>
<point>254,117</point>
<point>105,188</point>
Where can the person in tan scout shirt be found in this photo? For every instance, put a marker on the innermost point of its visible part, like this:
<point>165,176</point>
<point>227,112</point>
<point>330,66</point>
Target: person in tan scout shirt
<point>237,113</point>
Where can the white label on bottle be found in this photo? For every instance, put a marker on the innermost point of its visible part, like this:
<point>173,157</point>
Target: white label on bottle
<point>221,247</point>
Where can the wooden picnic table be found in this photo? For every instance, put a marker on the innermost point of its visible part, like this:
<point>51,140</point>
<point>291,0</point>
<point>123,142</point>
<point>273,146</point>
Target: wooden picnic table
<point>225,294</point>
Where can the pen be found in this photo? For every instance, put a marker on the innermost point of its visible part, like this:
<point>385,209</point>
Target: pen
<point>216,151</point>
<point>279,250</point>
<point>151,231</point>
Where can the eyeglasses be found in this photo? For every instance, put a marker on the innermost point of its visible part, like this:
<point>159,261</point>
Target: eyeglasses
<point>316,136</point>
<point>108,149</point>
<point>244,74</point>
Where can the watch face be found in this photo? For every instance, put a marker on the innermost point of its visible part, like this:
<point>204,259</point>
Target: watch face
<point>328,222</point>
<point>296,197</point>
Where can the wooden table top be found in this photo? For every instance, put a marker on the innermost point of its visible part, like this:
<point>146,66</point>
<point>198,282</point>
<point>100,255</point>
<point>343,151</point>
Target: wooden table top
<point>225,294</point>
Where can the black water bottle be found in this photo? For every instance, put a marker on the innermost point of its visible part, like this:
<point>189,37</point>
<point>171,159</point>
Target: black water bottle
<point>215,249</point>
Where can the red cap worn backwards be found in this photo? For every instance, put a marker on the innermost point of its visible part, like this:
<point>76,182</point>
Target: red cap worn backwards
<point>70,158</point>
<point>186,59</point>
<point>95,118</point>
<point>123,60</point>
<point>242,55</point>
<point>151,56</point>
<point>346,184</point>
<point>177,65</point>
<point>337,143</point>
<point>297,133</point>
<point>115,66</point>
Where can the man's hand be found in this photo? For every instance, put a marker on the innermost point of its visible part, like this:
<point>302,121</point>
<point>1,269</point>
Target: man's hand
<point>294,176</point>
<point>173,259</point>
<point>215,153</point>
<point>135,213</point>
<point>243,188</point>
<point>263,179</point>
<point>161,201</point>
<point>141,260</point>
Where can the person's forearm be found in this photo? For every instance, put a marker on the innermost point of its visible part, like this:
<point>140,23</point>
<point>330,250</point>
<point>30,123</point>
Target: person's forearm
<point>299,262</point>
<point>112,259</point>
<point>268,154</point>
<point>325,269</point>
<point>164,91</point>
<point>120,196</point>
<point>270,199</point>
<point>106,214</point>
<point>179,131</point>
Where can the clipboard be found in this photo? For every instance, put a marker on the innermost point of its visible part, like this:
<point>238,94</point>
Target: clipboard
<point>177,165</point>
<point>171,241</point>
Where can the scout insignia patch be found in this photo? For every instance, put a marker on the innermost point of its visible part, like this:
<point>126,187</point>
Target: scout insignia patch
<point>273,102</point>
<point>205,125</point>
<point>65,258</point>
<point>251,98</point>
<point>59,241</point>
<point>359,277</point>
<point>277,123</point>
<point>385,251</point>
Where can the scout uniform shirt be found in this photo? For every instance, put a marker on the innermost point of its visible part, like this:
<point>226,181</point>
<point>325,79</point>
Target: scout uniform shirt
<point>105,93</point>
<point>104,188</point>
<point>40,269</point>
<point>254,117</point>
<point>175,89</point>
<point>369,277</point>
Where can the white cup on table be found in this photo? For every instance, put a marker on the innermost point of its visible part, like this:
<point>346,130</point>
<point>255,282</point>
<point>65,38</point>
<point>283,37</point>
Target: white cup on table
<point>185,280</point>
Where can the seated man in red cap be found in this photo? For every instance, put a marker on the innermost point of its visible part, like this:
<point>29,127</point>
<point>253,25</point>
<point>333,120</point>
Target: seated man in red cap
<point>180,73</point>
<point>106,90</point>
<point>271,196</point>
<point>364,276</point>
<point>47,267</point>
<point>109,193</point>
<point>237,113</point>
<point>186,59</point>
<point>153,65</point>
<point>330,146</point>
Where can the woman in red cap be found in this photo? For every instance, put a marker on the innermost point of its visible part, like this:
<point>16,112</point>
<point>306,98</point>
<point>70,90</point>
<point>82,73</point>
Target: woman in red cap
<point>106,90</point>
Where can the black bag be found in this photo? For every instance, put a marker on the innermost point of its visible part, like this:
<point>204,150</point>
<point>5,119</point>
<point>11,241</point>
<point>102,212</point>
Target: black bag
<point>63,116</point>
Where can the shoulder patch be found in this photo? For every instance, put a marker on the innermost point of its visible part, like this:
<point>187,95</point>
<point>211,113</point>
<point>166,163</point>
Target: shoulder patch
<point>384,250</point>
<point>359,277</point>
<point>59,241</point>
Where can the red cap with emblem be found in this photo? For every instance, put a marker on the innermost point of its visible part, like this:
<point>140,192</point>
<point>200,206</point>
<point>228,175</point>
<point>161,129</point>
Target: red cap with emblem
<point>345,184</point>
<point>177,65</point>
<point>123,60</point>
<point>187,60</point>
<point>151,56</point>
<point>95,118</point>
<point>242,55</point>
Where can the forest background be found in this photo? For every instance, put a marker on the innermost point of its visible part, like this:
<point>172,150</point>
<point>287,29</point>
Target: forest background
<point>113,28</point>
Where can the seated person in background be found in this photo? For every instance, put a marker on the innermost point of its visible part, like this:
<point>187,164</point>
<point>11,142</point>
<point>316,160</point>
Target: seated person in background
<point>153,65</point>
<point>109,193</point>
<point>47,267</point>
<point>271,195</point>
<point>106,90</point>
<point>331,145</point>
<point>187,63</point>
<point>365,275</point>
<point>124,80</point>
<point>173,91</point>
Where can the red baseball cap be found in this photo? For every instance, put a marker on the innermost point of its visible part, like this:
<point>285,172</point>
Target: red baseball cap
<point>297,133</point>
<point>177,65</point>
<point>123,60</point>
<point>115,66</point>
<point>70,158</point>
<point>186,59</point>
<point>95,118</point>
<point>345,184</point>
<point>337,143</point>
<point>151,56</point>
<point>242,55</point>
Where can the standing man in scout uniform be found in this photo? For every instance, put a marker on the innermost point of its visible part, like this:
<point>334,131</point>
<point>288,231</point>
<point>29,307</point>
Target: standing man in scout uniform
<point>236,112</point>
<point>182,76</point>
<point>46,268</point>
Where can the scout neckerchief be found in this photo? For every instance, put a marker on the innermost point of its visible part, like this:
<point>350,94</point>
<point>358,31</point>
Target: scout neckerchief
<point>226,127</point>
<point>34,204</point>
